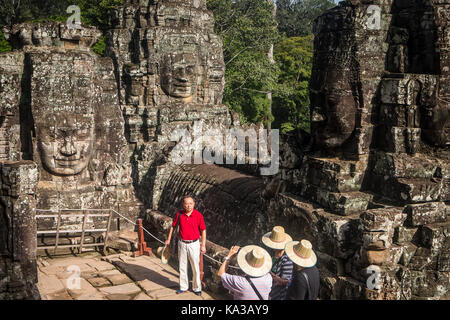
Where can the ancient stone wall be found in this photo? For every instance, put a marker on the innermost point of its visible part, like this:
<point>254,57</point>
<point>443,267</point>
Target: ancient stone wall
<point>375,166</point>
<point>60,113</point>
<point>18,269</point>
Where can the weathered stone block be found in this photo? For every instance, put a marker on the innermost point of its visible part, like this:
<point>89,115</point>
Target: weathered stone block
<point>332,264</point>
<point>376,257</point>
<point>409,250</point>
<point>423,259</point>
<point>436,236</point>
<point>428,283</point>
<point>19,177</point>
<point>395,254</point>
<point>376,240</point>
<point>403,234</point>
<point>383,219</point>
<point>426,213</point>
<point>443,261</point>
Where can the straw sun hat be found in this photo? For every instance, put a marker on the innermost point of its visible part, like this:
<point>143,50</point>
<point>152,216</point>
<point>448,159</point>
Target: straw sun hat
<point>301,253</point>
<point>164,252</point>
<point>277,238</point>
<point>254,261</point>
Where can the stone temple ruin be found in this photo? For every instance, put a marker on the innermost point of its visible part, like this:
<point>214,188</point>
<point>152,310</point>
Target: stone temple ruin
<point>369,186</point>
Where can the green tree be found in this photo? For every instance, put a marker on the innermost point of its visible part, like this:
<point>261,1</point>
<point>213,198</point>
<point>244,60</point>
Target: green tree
<point>4,45</point>
<point>295,17</point>
<point>97,12</point>
<point>247,29</point>
<point>291,99</point>
<point>93,12</point>
<point>18,11</point>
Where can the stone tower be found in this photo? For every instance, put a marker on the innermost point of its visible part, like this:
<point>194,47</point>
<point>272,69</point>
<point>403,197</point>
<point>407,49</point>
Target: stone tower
<point>65,146</point>
<point>371,185</point>
<point>170,72</point>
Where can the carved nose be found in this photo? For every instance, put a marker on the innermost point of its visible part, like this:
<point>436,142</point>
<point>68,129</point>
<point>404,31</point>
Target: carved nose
<point>68,148</point>
<point>182,75</point>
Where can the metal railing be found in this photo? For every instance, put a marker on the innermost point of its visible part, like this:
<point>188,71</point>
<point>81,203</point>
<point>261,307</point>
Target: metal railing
<point>59,216</point>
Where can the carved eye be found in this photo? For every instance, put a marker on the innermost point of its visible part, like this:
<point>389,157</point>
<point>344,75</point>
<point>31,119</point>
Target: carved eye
<point>331,102</point>
<point>48,134</point>
<point>190,69</point>
<point>60,134</point>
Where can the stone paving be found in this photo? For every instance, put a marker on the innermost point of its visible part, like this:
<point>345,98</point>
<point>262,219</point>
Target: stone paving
<point>114,277</point>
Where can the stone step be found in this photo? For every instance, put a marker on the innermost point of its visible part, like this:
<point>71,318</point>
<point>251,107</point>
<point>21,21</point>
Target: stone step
<point>344,203</point>
<point>123,240</point>
<point>413,190</point>
<point>128,289</point>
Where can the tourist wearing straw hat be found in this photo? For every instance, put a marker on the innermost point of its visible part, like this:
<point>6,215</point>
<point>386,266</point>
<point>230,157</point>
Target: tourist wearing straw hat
<point>306,279</point>
<point>255,262</point>
<point>282,266</point>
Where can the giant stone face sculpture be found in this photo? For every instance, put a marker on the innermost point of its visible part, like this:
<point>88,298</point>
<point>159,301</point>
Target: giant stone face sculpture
<point>169,63</point>
<point>65,143</point>
<point>333,111</point>
<point>179,75</point>
<point>334,94</point>
<point>71,122</point>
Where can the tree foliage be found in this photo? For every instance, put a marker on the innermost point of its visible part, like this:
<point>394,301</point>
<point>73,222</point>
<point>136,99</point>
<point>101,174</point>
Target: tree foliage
<point>93,12</point>
<point>295,17</point>
<point>291,99</point>
<point>97,12</point>
<point>248,29</point>
<point>4,45</point>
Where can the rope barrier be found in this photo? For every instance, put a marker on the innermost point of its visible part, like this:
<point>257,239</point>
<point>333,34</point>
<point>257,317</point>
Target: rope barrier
<point>49,210</point>
<point>211,258</point>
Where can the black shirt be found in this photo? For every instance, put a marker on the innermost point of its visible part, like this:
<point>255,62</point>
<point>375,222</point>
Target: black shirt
<point>298,289</point>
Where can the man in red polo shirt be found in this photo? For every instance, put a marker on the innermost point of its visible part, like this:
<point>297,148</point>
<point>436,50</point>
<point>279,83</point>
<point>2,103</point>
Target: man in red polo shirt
<point>189,248</point>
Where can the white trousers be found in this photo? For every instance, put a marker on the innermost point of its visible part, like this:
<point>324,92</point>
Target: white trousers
<point>191,252</point>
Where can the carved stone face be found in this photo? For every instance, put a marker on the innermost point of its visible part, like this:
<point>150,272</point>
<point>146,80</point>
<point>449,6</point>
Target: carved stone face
<point>65,143</point>
<point>333,112</point>
<point>179,75</point>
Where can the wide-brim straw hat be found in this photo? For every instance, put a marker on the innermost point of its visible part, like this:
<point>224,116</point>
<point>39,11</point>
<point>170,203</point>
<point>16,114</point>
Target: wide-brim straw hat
<point>164,252</point>
<point>301,253</point>
<point>254,261</point>
<point>277,238</point>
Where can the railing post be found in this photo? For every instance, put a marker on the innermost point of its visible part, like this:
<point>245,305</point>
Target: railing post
<point>58,223</point>
<point>82,232</point>
<point>142,246</point>
<point>107,230</point>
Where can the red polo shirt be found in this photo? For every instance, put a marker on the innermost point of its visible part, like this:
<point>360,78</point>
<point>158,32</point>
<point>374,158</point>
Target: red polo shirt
<point>191,226</point>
